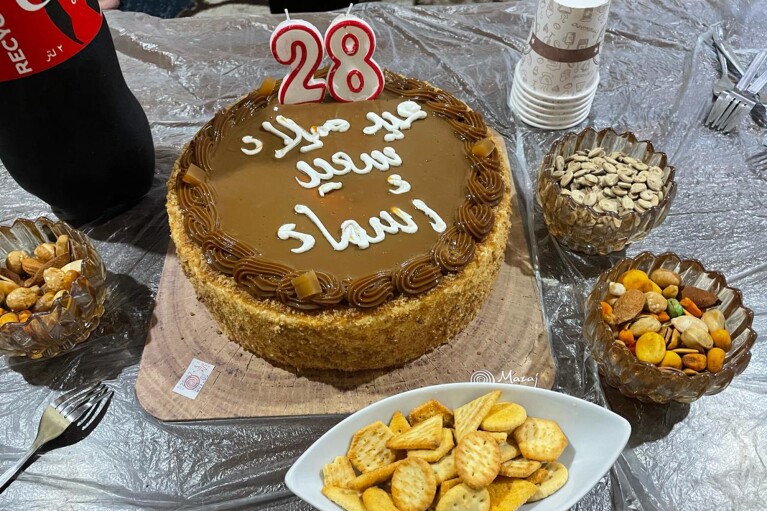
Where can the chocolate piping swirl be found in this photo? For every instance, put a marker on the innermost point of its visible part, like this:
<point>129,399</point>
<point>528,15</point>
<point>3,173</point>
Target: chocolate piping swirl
<point>371,291</point>
<point>264,278</point>
<point>259,276</point>
<point>224,252</point>
<point>417,276</point>
<point>454,250</point>
<point>476,219</point>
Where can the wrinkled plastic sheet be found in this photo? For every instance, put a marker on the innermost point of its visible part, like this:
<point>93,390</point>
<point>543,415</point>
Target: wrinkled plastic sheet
<point>656,78</point>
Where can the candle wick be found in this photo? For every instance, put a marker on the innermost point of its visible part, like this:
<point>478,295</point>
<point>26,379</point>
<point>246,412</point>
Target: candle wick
<point>287,16</point>
<point>349,9</point>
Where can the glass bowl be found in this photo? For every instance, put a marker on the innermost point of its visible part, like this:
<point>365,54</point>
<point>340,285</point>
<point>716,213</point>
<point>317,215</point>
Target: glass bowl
<point>73,316</point>
<point>646,382</point>
<point>580,227</point>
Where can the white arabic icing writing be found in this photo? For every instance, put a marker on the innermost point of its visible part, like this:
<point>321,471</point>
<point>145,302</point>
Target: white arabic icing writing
<point>376,159</point>
<point>352,233</point>
<point>326,188</point>
<point>288,231</point>
<point>436,221</point>
<point>410,111</point>
<point>300,134</point>
<point>247,139</point>
<point>402,186</point>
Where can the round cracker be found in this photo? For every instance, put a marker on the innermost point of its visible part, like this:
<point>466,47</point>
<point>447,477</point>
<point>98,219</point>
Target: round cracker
<point>555,479</point>
<point>477,459</point>
<point>464,498</point>
<point>413,485</point>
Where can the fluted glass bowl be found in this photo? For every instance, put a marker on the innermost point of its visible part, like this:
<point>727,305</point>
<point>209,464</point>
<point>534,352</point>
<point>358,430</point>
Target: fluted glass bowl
<point>73,316</point>
<point>580,227</point>
<point>646,382</point>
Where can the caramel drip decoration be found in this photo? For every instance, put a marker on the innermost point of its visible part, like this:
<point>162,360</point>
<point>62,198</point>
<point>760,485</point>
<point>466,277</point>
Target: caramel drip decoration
<point>224,252</point>
<point>476,219</point>
<point>454,250</point>
<point>332,292</point>
<point>417,276</point>
<point>260,276</point>
<point>371,291</point>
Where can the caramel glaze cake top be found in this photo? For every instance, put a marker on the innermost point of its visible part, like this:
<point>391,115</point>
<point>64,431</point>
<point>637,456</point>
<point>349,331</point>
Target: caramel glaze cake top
<point>273,191</point>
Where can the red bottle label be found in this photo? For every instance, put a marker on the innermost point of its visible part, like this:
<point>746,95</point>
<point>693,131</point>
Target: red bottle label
<point>36,35</point>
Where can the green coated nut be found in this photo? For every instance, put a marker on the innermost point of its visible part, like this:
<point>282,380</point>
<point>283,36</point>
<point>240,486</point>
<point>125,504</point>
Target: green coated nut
<point>674,309</point>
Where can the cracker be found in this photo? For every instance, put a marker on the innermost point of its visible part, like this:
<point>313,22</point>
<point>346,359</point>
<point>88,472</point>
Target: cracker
<point>464,498</point>
<point>477,459</point>
<point>446,485</point>
<point>375,499</point>
<point>398,423</point>
<point>469,416</point>
<point>430,409</point>
<point>347,499</point>
<point>509,450</point>
<point>338,473</point>
<point>540,439</point>
<point>498,435</point>
<point>555,479</point>
<point>445,469</point>
<point>520,468</point>
<point>504,417</point>
<point>432,455</point>
<point>368,449</point>
<point>509,494</point>
<point>424,435</point>
<point>372,478</point>
<point>538,476</point>
<point>413,484</point>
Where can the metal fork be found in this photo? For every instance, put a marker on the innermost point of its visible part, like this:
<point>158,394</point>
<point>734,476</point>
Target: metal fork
<point>742,102</point>
<point>735,102</point>
<point>79,406</point>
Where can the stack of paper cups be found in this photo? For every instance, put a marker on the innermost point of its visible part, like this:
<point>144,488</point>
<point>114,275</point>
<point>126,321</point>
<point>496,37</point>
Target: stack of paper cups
<point>556,79</point>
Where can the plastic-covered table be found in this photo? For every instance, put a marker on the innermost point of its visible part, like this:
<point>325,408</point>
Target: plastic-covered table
<point>656,77</point>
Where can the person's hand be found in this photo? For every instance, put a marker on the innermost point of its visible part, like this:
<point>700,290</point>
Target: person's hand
<point>109,4</point>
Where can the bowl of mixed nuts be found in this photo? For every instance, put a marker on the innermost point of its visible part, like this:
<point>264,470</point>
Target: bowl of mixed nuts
<point>52,288</point>
<point>662,328</point>
<point>600,190</point>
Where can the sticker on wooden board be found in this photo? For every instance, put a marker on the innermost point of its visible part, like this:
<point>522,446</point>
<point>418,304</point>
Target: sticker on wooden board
<point>193,379</point>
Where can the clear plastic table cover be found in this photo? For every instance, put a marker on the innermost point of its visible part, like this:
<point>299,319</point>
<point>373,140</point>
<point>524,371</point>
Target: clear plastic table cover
<point>656,76</point>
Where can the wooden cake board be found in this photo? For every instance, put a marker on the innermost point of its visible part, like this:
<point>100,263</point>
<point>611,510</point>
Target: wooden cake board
<point>505,343</point>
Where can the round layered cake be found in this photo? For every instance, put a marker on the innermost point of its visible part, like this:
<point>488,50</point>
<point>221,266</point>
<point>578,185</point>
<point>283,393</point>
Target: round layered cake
<point>342,235</point>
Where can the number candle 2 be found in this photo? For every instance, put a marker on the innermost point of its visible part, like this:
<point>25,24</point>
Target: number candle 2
<point>298,43</point>
<point>354,75</point>
<point>349,42</point>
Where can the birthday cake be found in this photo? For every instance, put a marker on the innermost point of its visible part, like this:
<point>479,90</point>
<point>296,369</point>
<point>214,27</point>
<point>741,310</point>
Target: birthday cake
<point>342,235</point>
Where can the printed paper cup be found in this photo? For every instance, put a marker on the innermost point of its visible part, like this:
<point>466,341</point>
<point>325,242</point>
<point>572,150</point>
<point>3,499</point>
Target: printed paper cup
<point>562,55</point>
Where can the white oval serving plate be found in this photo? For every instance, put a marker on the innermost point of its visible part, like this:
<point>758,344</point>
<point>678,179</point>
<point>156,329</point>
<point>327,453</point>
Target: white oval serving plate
<point>596,437</point>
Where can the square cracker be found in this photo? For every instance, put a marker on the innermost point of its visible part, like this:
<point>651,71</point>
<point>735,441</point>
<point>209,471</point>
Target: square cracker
<point>338,473</point>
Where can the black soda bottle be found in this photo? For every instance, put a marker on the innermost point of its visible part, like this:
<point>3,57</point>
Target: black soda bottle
<point>71,132</point>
